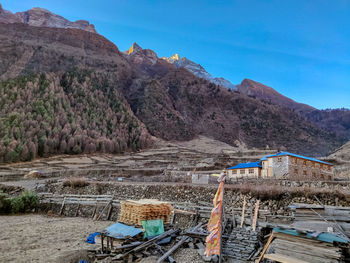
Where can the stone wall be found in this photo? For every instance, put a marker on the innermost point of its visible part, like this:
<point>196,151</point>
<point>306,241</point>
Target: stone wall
<point>279,166</point>
<point>306,168</point>
<point>203,194</point>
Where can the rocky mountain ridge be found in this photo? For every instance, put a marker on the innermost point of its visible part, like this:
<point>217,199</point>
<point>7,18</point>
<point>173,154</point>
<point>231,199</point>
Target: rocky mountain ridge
<point>43,18</point>
<point>198,70</point>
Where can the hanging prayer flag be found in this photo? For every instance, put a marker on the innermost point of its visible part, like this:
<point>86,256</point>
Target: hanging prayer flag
<point>213,240</point>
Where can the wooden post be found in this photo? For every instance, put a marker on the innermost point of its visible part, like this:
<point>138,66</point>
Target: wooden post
<point>62,206</point>
<point>255,215</point>
<point>102,247</point>
<point>94,212</point>
<point>243,211</point>
<point>76,213</point>
<point>109,211</point>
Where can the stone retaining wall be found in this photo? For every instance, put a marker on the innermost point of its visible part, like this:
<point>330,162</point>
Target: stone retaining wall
<point>195,194</point>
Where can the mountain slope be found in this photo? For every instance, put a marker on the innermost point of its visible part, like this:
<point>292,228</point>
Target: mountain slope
<point>341,155</point>
<point>74,112</point>
<point>174,104</point>
<point>58,96</point>
<point>100,93</point>
<point>332,120</point>
<point>336,121</point>
<point>26,49</point>
<point>252,88</point>
<point>198,70</point>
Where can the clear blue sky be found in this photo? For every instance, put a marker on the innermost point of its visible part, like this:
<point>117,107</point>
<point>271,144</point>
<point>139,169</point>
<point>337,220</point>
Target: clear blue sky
<point>299,47</point>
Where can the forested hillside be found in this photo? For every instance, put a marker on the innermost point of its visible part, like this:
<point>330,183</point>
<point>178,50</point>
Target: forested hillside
<point>74,112</point>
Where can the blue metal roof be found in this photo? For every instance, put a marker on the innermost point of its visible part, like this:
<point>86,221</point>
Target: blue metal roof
<point>121,231</point>
<point>245,165</point>
<point>294,155</point>
<point>266,156</point>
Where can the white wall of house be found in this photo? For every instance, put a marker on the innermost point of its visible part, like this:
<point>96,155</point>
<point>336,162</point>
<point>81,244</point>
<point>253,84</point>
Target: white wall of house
<point>244,173</point>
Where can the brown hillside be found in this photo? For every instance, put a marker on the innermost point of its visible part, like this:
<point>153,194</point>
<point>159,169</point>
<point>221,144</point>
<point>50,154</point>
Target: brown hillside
<point>268,94</point>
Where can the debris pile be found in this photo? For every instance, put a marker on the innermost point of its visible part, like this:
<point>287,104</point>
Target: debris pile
<point>298,246</point>
<point>322,218</point>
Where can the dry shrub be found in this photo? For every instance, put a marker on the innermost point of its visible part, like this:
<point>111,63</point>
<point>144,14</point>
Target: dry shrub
<point>266,191</point>
<point>75,182</point>
<point>34,175</point>
<point>262,192</point>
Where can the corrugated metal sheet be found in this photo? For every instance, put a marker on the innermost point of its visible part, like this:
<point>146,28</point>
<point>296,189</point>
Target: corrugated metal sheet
<point>245,165</point>
<point>294,155</point>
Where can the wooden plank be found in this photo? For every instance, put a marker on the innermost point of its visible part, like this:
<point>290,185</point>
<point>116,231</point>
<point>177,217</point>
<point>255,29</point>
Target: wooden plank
<point>255,215</point>
<point>283,259</point>
<point>243,210</point>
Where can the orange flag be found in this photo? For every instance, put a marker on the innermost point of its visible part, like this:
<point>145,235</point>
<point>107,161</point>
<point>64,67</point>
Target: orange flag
<point>214,224</point>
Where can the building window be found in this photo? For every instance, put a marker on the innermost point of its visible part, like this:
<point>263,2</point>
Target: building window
<point>279,159</point>
<point>304,162</point>
<point>304,172</point>
<point>234,171</point>
<point>296,170</point>
<point>295,160</point>
<point>313,174</point>
<point>251,171</point>
<point>329,168</point>
<point>313,165</point>
<point>242,171</point>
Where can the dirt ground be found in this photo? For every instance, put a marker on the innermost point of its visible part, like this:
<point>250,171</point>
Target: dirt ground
<point>39,238</point>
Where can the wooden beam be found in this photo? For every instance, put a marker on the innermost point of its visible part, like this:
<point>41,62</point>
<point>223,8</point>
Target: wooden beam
<point>265,247</point>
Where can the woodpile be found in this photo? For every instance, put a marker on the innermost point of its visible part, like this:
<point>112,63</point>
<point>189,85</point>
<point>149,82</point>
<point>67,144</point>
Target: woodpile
<point>134,212</point>
<point>322,218</point>
<point>289,248</point>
